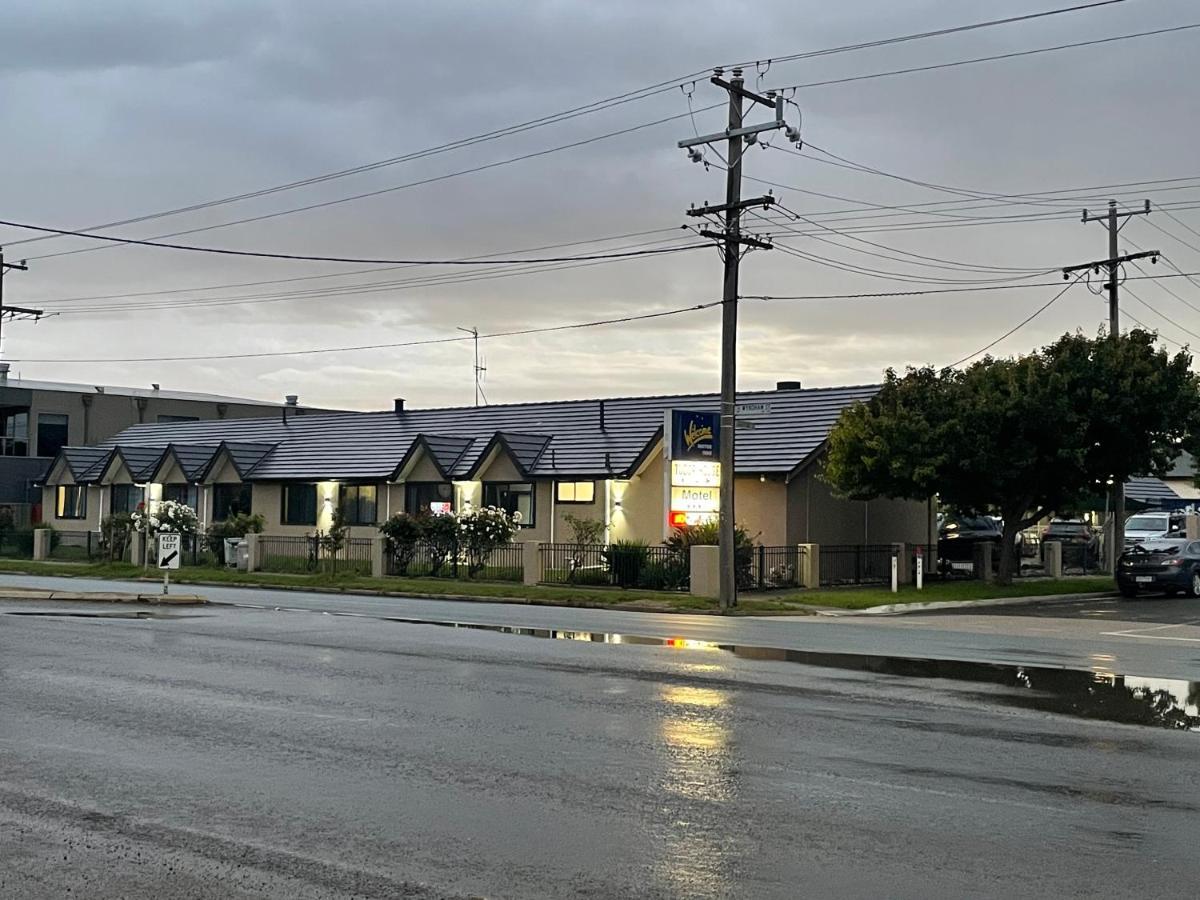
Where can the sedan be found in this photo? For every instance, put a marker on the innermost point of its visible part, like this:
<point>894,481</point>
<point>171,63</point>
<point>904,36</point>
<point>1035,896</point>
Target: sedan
<point>1169,566</point>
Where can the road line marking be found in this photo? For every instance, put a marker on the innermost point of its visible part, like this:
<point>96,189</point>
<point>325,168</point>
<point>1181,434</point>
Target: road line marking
<point>1148,637</point>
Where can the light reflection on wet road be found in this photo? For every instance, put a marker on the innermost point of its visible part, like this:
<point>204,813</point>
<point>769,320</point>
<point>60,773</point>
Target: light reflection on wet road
<point>237,753</point>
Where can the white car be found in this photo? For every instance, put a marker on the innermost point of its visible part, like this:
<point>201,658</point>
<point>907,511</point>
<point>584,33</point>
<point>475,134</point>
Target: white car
<point>1152,526</point>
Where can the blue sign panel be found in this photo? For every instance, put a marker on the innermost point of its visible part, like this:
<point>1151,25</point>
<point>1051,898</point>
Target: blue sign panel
<point>695,435</point>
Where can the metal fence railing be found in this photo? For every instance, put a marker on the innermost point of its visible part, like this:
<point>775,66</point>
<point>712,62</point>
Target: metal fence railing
<point>774,567</point>
<point>306,554</point>
<point>1082,558</point>
<point>288,554</point>
<point>847,564</point>
<point>424,560</point>
<point>625,565</point>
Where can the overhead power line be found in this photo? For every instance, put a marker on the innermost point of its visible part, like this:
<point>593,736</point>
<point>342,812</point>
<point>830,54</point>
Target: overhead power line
<point>1037,312</point>
<point>946,290</point>
<point>993,58</point>
<point>390,286</point>
<point>375,193</point>
<point>296,257</point>
<point>374,270</point>
<point>575,112</point>
<point>390,346</point>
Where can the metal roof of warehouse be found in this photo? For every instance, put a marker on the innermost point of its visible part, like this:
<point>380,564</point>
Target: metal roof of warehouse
<point>587,438</point>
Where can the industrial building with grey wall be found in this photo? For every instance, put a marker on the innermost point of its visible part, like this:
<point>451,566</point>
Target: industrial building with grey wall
<point>601,459</point>
<point>39,418</point>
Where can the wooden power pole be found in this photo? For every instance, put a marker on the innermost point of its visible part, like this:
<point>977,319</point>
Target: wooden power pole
<point>1112,222</point>
<point>731,240</point>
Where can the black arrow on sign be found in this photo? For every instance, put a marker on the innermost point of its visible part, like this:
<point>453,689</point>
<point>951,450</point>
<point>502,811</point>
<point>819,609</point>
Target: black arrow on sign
<point>166,560</point>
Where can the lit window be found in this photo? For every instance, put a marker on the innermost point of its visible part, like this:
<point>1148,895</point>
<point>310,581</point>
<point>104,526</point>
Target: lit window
<point>576,491</point>
<point>70,501</point>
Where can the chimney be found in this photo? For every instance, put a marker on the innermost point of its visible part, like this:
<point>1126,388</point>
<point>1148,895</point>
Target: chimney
<point>3,372</point>
<point>292,399</point>
<point>398,404</point>
<point>154,385</point>
<point>788,385</point>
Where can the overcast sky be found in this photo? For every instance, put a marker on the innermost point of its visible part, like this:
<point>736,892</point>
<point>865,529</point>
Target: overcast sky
<point>127,108</point>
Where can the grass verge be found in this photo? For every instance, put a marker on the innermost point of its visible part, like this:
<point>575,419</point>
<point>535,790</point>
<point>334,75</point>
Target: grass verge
<point>749,604</point>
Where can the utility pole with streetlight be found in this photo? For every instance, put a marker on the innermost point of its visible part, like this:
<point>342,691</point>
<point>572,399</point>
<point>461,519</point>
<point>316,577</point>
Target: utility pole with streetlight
<point>731,240</point>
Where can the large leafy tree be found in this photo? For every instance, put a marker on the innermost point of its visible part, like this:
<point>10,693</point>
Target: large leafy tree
<point>1021,437</point>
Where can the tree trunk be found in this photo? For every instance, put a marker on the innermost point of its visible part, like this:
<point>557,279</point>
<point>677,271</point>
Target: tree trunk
<point>1008,536</point>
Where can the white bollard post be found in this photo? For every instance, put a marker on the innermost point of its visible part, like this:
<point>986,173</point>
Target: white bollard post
<point>920,570</point>
<point>895,573</point>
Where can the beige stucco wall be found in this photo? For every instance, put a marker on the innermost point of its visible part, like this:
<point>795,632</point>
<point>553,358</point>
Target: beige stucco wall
<point>593,511</point>
<point>170,472</point>
<point>423,469</point>
<point>761,508</point>
<point>498,467</point>
<point>641,515</point>
<point>95,496</point>
<point>267,500</point>
<point>223,471</point>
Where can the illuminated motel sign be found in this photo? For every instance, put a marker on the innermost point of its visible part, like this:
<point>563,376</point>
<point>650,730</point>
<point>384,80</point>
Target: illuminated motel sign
<point>693,477</point>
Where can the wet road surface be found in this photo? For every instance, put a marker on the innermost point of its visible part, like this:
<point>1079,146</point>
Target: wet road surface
<point>1071,641</point>
<point>235,753</point>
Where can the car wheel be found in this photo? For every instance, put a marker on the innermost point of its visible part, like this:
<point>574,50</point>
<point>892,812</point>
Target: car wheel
<point>1195,589</point>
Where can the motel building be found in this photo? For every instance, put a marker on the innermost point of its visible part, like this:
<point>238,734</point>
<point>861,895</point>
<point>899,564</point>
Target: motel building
<point>638,464</point>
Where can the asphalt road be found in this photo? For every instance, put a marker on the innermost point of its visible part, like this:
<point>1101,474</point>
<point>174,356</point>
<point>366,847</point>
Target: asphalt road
<point>1056,634</point>
<point>228,752</point>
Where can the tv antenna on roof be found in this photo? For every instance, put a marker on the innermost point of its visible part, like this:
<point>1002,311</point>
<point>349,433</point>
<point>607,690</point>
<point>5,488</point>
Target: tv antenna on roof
<point>478,367</point>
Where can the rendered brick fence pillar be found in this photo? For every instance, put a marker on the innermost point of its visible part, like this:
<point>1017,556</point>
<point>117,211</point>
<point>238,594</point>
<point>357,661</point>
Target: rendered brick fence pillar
<point>705,564</point>
<point>1191,527</point>
<point>1052,558</point>
<point>904,562</point>
<point>532,562</point>
<point>809,575</point>
<point>137,548</point>
<point>252,552</point>
<point>41,543</point>
<point>983,561</point>
<point>378,556</point>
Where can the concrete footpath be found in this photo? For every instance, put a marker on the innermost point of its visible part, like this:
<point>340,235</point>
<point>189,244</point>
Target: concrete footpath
<point>33,595</point>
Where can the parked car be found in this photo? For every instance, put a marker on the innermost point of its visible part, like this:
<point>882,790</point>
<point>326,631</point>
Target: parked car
<point>1072,533</point>
<point>958,535</point>
<point>1169,566</point>
<point>1151,525</point>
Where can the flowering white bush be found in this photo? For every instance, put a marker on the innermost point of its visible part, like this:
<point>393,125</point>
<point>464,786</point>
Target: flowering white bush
<point>165,515</point>
<point>481,530</point>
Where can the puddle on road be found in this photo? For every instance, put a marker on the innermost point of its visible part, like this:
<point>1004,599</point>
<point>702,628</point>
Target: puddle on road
<point>1090,694</point>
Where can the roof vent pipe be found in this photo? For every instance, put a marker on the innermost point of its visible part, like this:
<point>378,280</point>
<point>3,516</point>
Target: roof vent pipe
<point>292,399</point>
<point>398,404</point>
<point>788,386</point>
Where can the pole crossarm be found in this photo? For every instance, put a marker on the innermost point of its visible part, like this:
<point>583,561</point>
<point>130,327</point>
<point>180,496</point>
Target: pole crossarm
<point>1096,265</point>
<point>710,209</point>
<point>1109,216</point>
<point>737,239</point>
